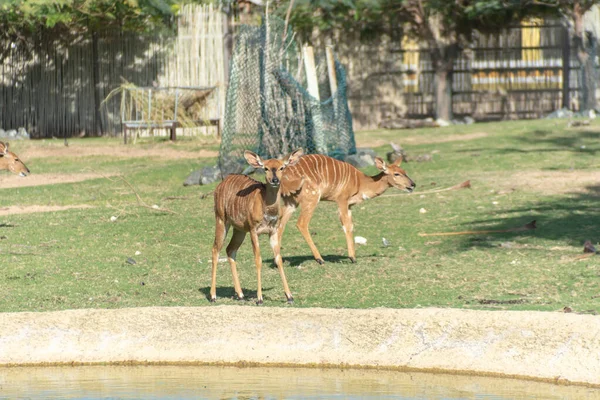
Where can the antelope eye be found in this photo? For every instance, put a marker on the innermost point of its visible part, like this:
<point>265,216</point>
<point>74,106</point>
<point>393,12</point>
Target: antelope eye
<point>396,174</point>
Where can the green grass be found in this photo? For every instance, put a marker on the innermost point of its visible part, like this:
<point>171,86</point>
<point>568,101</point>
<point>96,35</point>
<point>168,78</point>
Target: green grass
<point>77,258</point>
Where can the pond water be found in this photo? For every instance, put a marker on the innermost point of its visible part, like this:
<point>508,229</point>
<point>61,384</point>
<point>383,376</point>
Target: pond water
<point>214,382</point>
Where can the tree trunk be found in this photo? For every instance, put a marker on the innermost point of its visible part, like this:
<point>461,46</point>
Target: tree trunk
<point>443,93</point>
<point>585,44</point>
<point>589,82</point>
<point>442,60</point>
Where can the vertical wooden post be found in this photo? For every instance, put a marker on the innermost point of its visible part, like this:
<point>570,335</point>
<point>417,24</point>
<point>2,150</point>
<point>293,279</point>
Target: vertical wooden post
<point>311,72</point>
<point>331,70</point>
<point>566,67</point>
<point>313,90</point>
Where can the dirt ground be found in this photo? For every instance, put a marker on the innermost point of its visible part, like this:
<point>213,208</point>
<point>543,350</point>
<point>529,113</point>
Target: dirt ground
<point>112,151</point>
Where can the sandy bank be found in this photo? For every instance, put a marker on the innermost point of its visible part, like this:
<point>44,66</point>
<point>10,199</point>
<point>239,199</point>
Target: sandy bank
<point>541,345</point>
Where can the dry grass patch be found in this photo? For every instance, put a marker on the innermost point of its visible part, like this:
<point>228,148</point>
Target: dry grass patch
<point>554,182</point>
<point>123,151</point>
<point>11,210</point>
<point>14,181</point>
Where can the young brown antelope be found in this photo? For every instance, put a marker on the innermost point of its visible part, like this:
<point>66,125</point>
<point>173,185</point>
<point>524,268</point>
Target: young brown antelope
<point>317,177</point>
<point>10,161</point>
<point>251,207</point>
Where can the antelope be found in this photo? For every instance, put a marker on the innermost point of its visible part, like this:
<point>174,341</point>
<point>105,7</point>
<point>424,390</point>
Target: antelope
<point>10,161</point>
<point>317,177</point>
<point>251,207</point>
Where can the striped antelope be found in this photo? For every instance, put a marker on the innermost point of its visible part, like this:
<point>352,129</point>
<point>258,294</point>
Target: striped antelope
<point>10,161</point>
<point>317,177</point>
<point>250,206</point>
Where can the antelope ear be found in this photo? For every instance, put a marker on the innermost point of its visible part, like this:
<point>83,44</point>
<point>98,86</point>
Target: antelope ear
<point>253,159</point>
<point>293,157</point>
<point>398,161</point>
<point>4,147</point>
<point>380,164</point>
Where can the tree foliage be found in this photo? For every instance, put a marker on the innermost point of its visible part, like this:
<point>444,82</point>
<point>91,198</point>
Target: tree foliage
<point>22,20</point>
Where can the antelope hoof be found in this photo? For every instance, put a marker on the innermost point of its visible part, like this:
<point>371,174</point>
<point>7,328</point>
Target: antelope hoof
<point>290,300</point>
<point>353,260</point>
<point>213,299</point>
<point>240,298</point>
<point>320,261</point>
<point>259,302</point>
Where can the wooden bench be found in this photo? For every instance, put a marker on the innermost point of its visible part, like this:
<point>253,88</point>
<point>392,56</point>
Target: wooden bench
<point>171,125</point>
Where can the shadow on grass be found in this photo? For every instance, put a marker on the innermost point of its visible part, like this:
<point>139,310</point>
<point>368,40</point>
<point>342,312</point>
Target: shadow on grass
<point>228,292</point>
<point>572,218</point>
<point>250,296</point>
<point>568,141</point>
<point>298,260</point>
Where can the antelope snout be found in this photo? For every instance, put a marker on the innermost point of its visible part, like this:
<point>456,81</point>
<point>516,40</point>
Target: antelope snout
<point>411,187</point>
<point>274,181</point>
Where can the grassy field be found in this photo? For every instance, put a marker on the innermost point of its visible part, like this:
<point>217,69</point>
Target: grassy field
<point>519,171</point>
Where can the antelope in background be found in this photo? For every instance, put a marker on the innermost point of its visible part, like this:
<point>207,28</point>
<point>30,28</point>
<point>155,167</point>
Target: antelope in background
<point>317,177</point>
<point>251,207</point>
<point>10,161</point>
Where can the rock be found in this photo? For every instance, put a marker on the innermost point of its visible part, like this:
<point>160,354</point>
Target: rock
<point>364,157</point>
<point>442,122</point>
<point>22,134</point>
<point>210,175</point>
<point>560,113</point>
<point>403,123</point>
<point>203,177</point>
<point>468,120</point>
<point>360,240</point>
<point>232,165</point>
<point>193,178</point>
<point>18,134</point>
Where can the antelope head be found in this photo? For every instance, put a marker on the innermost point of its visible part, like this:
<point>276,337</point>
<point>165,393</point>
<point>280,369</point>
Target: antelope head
<point>395,175</point>
<point>273,167</point>
<point>11,162</point>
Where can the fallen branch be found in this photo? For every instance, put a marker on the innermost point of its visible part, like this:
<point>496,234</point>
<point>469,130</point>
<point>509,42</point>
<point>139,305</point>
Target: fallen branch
<point>580,257</point>
<point>464,185</point>
<point>525,227</point>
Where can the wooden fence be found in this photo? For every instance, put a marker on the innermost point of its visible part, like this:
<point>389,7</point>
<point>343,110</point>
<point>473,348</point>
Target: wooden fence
<point>59,90</point>
<point>525,72</point>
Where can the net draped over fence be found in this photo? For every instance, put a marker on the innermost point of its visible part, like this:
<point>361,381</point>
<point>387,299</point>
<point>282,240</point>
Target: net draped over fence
<point>267,108</point>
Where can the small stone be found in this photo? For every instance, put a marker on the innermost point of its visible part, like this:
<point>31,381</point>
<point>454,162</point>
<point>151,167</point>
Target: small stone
<point>360,240</point>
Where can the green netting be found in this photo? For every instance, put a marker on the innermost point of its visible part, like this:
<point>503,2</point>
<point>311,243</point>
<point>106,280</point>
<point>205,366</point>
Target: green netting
<point>267,108</point>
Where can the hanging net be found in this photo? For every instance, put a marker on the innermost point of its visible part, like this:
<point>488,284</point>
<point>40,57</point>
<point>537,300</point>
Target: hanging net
<point>269,111</point>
